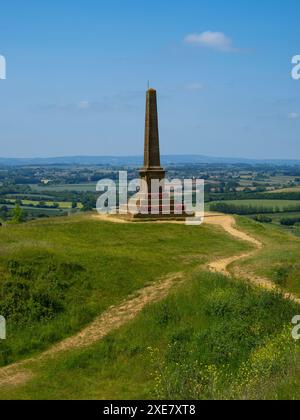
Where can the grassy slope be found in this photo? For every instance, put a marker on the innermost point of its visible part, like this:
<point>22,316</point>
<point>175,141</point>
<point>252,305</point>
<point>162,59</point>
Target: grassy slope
<point>281,253</point>
<point>211,338</point>
<point>57,275</point>
<point>262,203</point>
<point>236,334</point>
<point>279,261</point>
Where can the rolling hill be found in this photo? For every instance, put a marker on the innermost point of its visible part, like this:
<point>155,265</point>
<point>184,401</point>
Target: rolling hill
<point>177,329</point>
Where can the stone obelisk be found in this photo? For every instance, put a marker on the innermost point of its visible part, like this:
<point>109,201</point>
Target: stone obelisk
<point>152,167</point>
<point>155,200</point>
<point>154,203</point>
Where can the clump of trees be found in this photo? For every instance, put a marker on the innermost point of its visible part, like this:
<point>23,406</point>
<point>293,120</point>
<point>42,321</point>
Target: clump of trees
<point>88,202</point>
<point>18,215</point>
<point>251,195</point>
<point>243,209</point>
<point>262,218</point>
<point>239,209</point>
<point>4,213</point>
<point>289,221</point>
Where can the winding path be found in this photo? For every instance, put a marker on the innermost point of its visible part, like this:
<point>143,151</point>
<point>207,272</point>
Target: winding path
<point>228,223</point>
<point>116,316</point>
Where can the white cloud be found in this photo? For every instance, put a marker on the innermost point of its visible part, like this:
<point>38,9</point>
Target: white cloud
<point>209,39</point>
<point>194,87</point>
<point>83,105</point>
<point>294,115</point>
<point>2,68</point>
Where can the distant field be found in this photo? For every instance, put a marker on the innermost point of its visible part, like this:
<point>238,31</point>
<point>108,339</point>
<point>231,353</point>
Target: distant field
<point>281,204</point>
<point>35,212</point>
<point>280,179</point>
<point>37,208</point>
<point>276,217</point>
<point>62,205</point>
<point>65,187</point>
<point>286,190</point>
<point>32,196</point>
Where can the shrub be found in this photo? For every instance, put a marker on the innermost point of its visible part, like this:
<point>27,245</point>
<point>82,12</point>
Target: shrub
<point>281,275</point>
<point>262,218</point>
<point>289,221</point>
<point>18,215</point>
<point>35,290</point>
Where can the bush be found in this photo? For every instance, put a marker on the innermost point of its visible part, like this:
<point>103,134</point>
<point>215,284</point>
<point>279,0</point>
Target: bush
<point>281,276</point>
<point>35,290</point>
<point>289,221</point>
<point>262,218</point>
<point>242,343</point>
<point>287,275</point>
<point>18,215</point>
<point>239,209</point>
<point>243,209</point>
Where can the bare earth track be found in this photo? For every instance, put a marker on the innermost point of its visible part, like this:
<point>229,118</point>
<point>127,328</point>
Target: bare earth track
<point>116,316</point>
<point>221,266</point>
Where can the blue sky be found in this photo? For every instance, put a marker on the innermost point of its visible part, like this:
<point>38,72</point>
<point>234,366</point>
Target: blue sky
<point>77,72</point>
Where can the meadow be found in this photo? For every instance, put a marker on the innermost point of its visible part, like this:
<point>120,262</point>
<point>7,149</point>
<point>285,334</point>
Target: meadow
<point>212,338</point>
<point>90,186</point>
<point>271,204</point>
<point>57,275</point>
<point>38,212</point>
<point>287,190</point>
<point>279,258</point>
<point>65,205</point>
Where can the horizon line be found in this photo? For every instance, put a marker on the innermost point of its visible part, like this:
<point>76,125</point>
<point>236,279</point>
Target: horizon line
<point>138,156</point>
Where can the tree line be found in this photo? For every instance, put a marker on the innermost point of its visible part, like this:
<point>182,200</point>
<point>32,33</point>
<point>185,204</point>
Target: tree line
<point>242,209</point>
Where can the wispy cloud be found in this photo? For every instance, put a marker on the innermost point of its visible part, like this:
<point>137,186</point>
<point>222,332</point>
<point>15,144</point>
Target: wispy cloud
<point>193,87</point>
<point>214,40</point>
<point>294,115</point>
<point>83,105</point>
<point>117,102</point>
<point>77,106</point>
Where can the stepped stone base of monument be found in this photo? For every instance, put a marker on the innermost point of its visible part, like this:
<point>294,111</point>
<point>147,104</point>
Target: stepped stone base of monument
<point>151,217</point>
<point>155,207</point>
<point>159,217</point>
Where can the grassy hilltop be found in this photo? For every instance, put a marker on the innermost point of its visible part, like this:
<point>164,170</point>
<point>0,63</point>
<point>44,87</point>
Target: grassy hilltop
<point>212,337</point>
<point>57,275</point>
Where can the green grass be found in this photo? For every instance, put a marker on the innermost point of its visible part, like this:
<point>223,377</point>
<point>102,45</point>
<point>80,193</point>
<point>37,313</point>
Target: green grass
<point>286,190</point>
<point>281,204</point>
<point>57,275</point>
<point>32,196</point>
<point>64,187</point>
<point>62,205</point>
<point>281,251</point>
<point>38,211</point>
<point>211,338</point>
<point>276,217</point>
